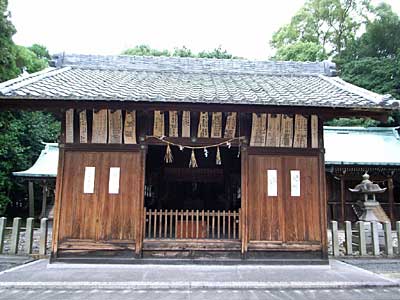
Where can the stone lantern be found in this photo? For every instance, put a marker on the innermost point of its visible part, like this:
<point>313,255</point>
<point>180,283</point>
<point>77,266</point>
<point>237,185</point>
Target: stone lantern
<point>369,190</point>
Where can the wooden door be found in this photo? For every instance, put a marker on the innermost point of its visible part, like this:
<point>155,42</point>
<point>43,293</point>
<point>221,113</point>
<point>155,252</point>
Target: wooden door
<point>302,212</point>
<point>284,217</point>
<point>101,215</point>
<point>266,220</point>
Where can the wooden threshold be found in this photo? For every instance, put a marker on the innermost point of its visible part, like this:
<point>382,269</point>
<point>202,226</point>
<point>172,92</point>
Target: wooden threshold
<point>90,245</point>
<point>283,246</point>
<point>191,245</point>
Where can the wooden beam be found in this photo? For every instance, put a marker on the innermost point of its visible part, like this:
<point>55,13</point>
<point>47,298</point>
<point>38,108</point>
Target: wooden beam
<point>57,204</point>
<point>244,226</point>
<point>326,113</point>
<point>44,200</point>
<point>342,200</point>
<point>31,196</point>
<point>391,199</point>
<point>322,195</point>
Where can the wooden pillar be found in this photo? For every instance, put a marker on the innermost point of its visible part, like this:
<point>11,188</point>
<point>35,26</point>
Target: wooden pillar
<point>391,199</point>
<point>31,197</point>
<point>139,217</point>
<point>342,216</point>
<point>244,226</point>
<point>44,200</point>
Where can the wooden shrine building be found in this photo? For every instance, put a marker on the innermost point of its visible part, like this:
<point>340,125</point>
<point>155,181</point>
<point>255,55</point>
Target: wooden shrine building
<point>352,151</point>
<point>183,157</point>
<point>43,173</point>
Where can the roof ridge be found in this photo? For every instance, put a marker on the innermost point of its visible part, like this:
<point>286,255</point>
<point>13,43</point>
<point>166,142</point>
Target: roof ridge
<point>100,68</point>
<point>193,64</point>
<point>21,81</point>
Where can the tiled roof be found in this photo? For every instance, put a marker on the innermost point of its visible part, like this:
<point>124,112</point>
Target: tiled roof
<point>192,80</point>
<point>45,165</point>
<point>362,146</point>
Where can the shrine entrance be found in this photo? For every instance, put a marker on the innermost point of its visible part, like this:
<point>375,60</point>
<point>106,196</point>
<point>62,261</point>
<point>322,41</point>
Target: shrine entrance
<point>192,208</point>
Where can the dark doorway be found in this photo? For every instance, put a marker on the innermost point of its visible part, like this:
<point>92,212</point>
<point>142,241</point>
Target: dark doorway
<point>207,187</point>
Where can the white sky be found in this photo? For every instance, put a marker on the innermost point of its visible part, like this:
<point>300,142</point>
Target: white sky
<point>243,27</point>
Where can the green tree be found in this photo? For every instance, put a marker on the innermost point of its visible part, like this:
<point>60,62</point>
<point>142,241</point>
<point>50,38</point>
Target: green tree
<point>217,53</point>
<point>301,51</point>
<point>145,50</point>
<point>381,37</point>
<point>183,52</point>
<point>329,23</point>
<point>28,60</point>
<point>381,75</point>
<point>40,51</point>
<point>359,122</point>
<point>21,133</point>
<point>8,68</point>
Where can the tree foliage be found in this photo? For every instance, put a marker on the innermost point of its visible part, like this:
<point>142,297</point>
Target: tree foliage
<point>381,75</point>
<point>363,40</point>
<point>27,60</point>
<point>301,51</point>
<point>8,68</point>
<point>146,50</point>
<point>380,39</point>
<point>21,137</point>
<point>332,24</point>
<point>21,133</point>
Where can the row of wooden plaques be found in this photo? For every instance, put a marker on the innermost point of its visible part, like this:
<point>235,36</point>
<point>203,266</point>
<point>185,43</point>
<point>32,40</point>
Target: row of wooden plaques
<point>277,130</point>
<point>107,127</point>
<point>202,128</point>
<point>267,130</point>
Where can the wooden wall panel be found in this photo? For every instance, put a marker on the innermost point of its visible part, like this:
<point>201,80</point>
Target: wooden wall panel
<point>284,218</point>
<point>265,212</point>
<point>100,216</point>
<point>303,211</point>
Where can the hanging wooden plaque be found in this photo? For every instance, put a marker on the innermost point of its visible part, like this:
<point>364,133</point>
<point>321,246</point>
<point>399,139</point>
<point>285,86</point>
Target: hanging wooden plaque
<point>314,131</point>
<point>216,126</point>
<point>130,127</point>
<point>83,127</point>
<point>186,124</point>
<point>69,126</point>
<point>173,123</point>
<point>115,126</point>
<point>286,131</point>
<point>230,127</point>
<point>273,130</point>
<point>258,130</point>
<point>158,127</point>
<point>202,131</point>
<point>300,132</point>
<point>99,126</point>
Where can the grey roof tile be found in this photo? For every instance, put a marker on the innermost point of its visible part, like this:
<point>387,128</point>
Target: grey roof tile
<point>131,78</point>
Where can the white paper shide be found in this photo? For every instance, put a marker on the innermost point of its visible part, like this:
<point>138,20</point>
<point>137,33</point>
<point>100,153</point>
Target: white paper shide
<point>88,182</point>
<point>272,178</point>
<point>113,183</point>
<point>295,183</point>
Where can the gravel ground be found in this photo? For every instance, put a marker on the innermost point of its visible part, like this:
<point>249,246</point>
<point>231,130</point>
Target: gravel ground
<point>21,245</point>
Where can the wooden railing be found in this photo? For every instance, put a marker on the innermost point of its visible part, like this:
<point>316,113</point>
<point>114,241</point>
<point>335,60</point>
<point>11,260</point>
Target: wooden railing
<point>191,224</point>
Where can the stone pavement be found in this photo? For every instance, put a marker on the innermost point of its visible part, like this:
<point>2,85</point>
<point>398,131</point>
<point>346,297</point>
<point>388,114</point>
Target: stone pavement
<point>202,294</point>
<point>8,261</point>
<point>40,274</point>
